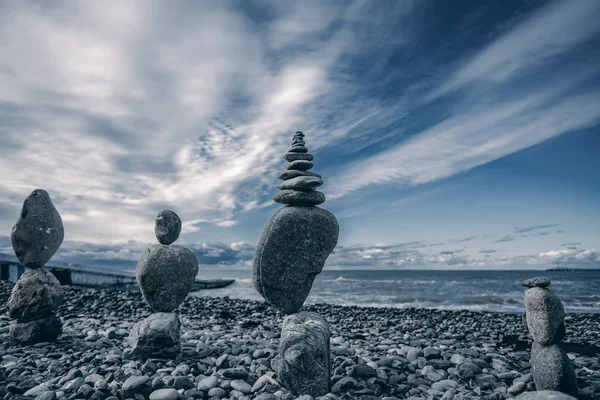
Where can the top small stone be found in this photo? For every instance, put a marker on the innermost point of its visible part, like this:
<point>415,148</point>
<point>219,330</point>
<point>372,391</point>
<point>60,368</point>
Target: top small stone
<point>167,227</point>
<point>39,231</point>
<point>539,281</point>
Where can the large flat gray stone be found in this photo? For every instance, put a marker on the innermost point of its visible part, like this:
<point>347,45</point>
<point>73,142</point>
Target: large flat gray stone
<point>165,274</point>
<point>291,251</point>
<point>39,232</point>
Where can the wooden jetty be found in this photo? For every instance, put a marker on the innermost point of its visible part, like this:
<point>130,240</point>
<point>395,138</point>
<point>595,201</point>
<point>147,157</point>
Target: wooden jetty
<point>79,275</point>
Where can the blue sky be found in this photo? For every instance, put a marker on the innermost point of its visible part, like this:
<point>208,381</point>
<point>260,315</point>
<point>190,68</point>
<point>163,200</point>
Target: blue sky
<point>449,134</point>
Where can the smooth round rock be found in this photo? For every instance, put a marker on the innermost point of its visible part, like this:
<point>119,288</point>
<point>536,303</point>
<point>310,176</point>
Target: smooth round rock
<point>301,165</point>
<point>545,314</point>
<point>298,198</point>
<point>39,232</point>
<point>298,156</point>
<point>36,331</point>
<point>164,394</point>
<point>289,174</point>
<point>35,295</point>
<point>167,227</point>
<point>302,183</point>
<point>552,369</point>
<point>545,395</point>
<point>291,251</point>
<point>165,275</point>
<point>539,281</point>
<point>299,133</point>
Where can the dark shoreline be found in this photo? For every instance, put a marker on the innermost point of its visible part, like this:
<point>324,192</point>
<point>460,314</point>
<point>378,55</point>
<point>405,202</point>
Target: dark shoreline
<point>414,353</point>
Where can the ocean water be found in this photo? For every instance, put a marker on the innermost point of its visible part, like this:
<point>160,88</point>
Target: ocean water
<point>499,291</point>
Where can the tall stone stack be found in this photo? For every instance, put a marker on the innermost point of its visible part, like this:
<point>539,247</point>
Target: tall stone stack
<point>165,274</point>
<point>291,252</point>
<point>545,320</point>
<point>35,238</point>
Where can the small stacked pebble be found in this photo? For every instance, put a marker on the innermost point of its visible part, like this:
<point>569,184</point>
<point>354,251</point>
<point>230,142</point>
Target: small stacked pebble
<point>545,319</point>
<point>165,274</point>
<point>35,238</point>
<point>291,252</point>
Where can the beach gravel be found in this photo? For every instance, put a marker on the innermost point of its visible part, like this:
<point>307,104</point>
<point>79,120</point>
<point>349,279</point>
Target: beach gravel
<point>486,355</point>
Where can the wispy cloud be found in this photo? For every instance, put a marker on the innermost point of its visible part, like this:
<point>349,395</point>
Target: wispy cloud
<point>533,228</point>
<point>507,238</point>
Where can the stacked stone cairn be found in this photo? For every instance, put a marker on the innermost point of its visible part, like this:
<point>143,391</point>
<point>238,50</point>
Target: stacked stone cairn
<point>35,238</point>
<point>291,252</point>
<point>545,319</point>
<point>165,274</point>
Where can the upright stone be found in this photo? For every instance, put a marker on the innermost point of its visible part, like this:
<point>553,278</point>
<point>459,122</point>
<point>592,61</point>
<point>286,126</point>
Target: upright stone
<point>303,363</point>
<point>165,274</point>
<point>36,236</point>
<point>544,316</point>
<point>290,253</point>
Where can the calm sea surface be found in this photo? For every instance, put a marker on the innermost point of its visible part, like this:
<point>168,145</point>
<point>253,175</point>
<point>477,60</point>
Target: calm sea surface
<point>470,290</point>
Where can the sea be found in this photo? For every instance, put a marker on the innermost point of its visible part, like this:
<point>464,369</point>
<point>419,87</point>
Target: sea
<point>498,291</point>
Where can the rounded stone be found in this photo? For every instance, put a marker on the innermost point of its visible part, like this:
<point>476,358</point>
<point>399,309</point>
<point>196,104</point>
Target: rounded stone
<point>552,369</point>
<point>298,198</point>
<point>158,335</point>
<point>165,275</point>
<point>35,295</point>
<point>39,232</point>
<point>291,251</point>
<point>164,394</point>
<point>167,227</point>
<point>545,314</point>
<point>289,174</point>
<point>302,183</point>
<point>545,395</point>
<point>539,281</point>
<point>298,148</point>
<point>39,330</point>
<point>298,156</point>
<point>301,165</point>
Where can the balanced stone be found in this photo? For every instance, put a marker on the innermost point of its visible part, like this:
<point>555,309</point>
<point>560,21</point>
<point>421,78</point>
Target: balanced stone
<point>301,165</point>
<point>289,174</point>
<point>298,156</point>
<point>302,183</point>
<point>552,369</point>
<point>545,315</point>
<point>44,329</point>
<point>158,335</point>
<point>536,282</point>
<point>303,361</point>
<point>35,295</point>
<point>167,227</point>
<point>298,198</point>
<point>290,253</point>
<point>545,395</point>
<point>165,275</point>
<point>39,232</point>
<point>298,149</point>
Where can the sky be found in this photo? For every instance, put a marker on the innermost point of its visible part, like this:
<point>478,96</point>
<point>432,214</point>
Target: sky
<point>450,135</point>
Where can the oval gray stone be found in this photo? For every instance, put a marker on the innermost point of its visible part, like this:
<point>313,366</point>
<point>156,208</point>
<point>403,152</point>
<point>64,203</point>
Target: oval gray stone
<point>544,313</point>
<point>304,354</point>
<point>552,369</point>
<point>164,394</point>
<point>291,251</point>
<point>36,294</point>
<point>301,165</point>
<point>167,227</point>
<point>289,174</point>
<point>302,183</point>
<point>298,198</point>
<point>540,281</point>
<point>298,148</point>
<point>39,232</point>
<point>545,395</point>
<point>298,156</point>
<point>165,275</point>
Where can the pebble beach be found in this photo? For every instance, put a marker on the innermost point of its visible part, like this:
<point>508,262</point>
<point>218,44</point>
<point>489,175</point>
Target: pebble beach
<point>229,346</point>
